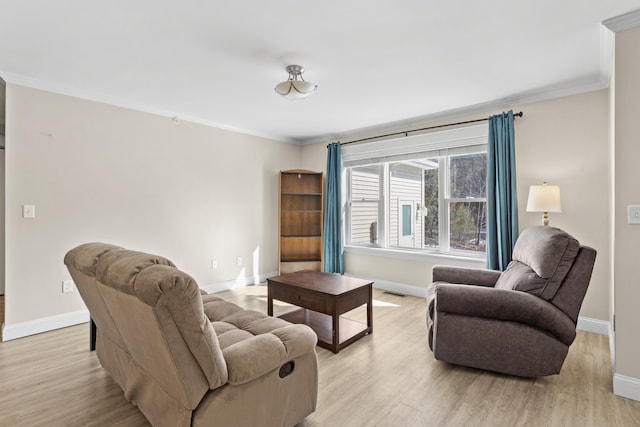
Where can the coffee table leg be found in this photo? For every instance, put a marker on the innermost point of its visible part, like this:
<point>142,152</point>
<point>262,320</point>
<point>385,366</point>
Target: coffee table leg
<point>269,300</point>
<point>92,334</point>
<point>336,332</point>
<point>370,310</point>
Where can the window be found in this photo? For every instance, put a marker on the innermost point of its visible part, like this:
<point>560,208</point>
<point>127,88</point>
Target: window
<point>425,193</point>
<point>365,204</point>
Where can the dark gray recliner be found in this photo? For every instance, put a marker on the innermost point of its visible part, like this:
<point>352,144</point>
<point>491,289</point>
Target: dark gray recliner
<point>517,322</point>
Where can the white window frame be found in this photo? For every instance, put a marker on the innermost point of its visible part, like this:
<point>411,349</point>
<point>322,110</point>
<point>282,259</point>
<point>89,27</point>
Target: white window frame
<point>434,144</point>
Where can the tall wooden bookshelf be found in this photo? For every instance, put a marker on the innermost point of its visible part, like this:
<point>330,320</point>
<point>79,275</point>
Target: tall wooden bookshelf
<point>300,221</point>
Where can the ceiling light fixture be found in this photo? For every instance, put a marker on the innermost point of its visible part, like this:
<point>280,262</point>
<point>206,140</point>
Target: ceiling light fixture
<point>295,87</point>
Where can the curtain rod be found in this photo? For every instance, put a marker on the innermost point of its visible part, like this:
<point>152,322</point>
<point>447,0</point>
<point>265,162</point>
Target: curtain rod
<point>406,132</point>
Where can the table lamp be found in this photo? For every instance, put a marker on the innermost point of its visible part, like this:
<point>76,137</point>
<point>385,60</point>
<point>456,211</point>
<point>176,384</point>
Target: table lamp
<point>544,198</point>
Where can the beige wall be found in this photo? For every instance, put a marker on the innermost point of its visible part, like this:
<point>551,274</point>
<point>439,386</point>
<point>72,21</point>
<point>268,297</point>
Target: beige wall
<point>101,173</point>
<point>627,237</point>
<point>97,172</point>
<point>1,216</point>
<point>314,156</point>
<point>563,141</point>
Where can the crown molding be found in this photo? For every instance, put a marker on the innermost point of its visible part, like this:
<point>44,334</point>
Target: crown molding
<point>623,22</point>
<point>574,87</point>
<point>541,94</point>
<point>607,39</point>
<point>75,92</point>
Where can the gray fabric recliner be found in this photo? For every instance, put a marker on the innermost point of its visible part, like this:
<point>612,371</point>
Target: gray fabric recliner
<point>188,359</point>
<point>517,322</point>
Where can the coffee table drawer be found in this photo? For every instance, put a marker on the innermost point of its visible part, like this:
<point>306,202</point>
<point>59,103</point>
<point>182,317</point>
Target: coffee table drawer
<point>301,298</point>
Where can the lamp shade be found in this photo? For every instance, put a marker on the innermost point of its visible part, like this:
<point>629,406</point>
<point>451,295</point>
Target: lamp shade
<point>544,198</point>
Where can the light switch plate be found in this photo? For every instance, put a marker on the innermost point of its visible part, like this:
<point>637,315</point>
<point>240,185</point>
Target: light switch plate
<point>633,214</point>
<point>67,286</point>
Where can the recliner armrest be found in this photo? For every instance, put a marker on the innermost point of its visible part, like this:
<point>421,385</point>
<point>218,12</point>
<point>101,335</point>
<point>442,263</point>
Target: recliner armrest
<point>468,276</point>
<point>252,358</point>
<point>505,305</point>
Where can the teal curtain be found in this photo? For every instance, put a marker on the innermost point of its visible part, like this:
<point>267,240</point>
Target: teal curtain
<point>502,205</point>
<point>332,252</point>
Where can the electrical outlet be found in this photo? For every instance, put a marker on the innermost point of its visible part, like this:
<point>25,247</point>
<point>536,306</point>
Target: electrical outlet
<point>214,264</point>
<point>28,211</point>
<point>67,286</point>
<point>239,260</point>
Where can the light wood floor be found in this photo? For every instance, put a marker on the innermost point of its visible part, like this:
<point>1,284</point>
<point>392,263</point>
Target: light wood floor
<point>389,378</point>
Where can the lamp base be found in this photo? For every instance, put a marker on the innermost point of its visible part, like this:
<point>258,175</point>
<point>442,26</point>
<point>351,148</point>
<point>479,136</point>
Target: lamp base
<point>545,218</point>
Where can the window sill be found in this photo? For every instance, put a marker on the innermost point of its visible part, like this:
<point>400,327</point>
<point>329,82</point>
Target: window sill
<point>420,256</point>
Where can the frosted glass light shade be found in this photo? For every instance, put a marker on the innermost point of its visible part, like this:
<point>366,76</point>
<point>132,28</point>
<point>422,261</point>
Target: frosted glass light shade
<point>295,89</point>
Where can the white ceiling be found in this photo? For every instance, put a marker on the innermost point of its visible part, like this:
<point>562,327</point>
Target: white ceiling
<point>375,63</point>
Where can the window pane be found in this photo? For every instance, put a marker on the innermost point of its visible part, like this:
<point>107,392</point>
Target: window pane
<point>364,223</point>
<point>468,226</point>
<point>405,196</point>
<point>430,211</point>
<point>406,220</point>
<point>365,194</point>
<point>365,183</point>
<point>468,176</point>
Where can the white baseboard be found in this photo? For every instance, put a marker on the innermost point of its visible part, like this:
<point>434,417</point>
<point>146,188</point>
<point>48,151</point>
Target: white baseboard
<point>626,387</point>
<point>587,324</point>
<point>395,287</point>
<point>36,326</point>
<point>596,326</point>
<point>612,347</point>
<point>44,324</point>
<point>213,288</point>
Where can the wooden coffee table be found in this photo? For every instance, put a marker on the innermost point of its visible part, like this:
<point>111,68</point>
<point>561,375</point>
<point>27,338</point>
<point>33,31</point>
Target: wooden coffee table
<point>323,298</point>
